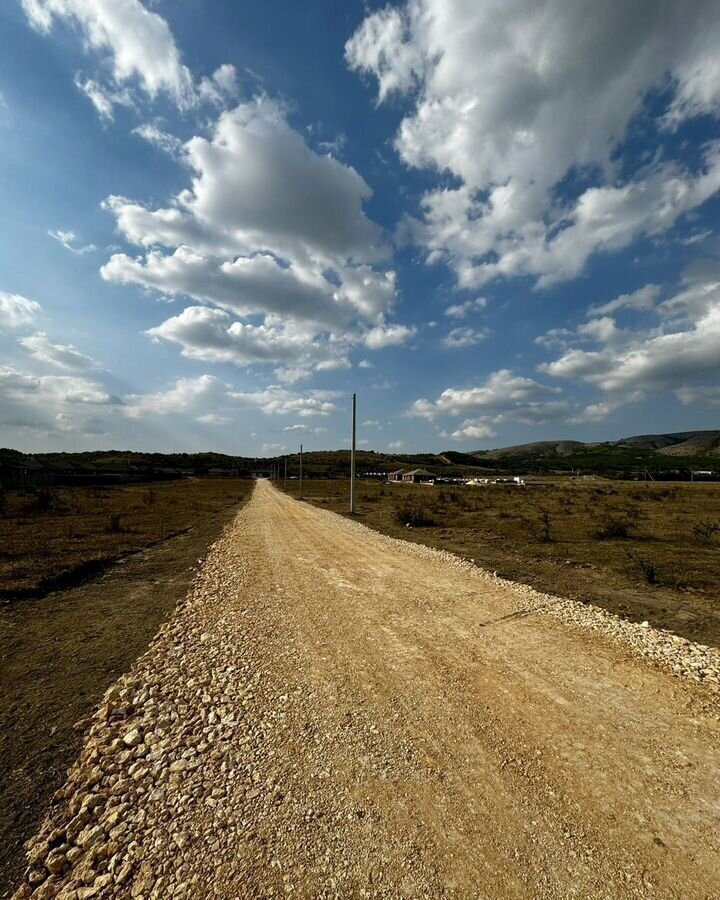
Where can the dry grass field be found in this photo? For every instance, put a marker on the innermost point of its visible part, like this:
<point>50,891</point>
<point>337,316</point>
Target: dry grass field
<point>61,651</point>
<point>51,537</point>
<point>643,550</point>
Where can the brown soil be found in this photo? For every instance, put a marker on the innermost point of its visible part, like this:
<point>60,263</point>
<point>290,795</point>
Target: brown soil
<point>502,529</point>
<point>60,653</point>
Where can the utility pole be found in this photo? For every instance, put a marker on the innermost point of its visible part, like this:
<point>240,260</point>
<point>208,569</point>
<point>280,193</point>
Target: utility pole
<point>352,455</point>
<point>285,482</point>
<point>300,497</point>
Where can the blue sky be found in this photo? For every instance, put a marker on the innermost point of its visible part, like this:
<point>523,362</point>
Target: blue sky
<point>494,221</point>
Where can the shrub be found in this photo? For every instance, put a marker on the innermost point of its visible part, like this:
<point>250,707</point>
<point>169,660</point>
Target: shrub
<point>613,528</point>
<point>540,528</point>
<point>646,566</point>
<point>545,526</point>
<point>704,531</point>
<point>115,523</point>
<point>414,515</point>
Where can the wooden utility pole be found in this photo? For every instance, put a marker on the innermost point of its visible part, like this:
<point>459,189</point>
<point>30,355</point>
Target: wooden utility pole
<point>352,455</point>
<point>300,497</point>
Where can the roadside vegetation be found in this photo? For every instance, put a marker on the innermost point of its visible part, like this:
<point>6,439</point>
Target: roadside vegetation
<point>644,550</point>
<point>52,536</point>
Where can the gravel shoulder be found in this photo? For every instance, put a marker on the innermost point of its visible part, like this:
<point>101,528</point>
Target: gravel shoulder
<point>334,713</point>
<point>59,655</point>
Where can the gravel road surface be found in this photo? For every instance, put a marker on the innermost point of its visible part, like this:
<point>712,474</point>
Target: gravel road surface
<point>333,713</point>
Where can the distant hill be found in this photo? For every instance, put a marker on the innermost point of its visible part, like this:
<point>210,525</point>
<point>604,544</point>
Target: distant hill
<point>673,455</point>
<point>655,452</point>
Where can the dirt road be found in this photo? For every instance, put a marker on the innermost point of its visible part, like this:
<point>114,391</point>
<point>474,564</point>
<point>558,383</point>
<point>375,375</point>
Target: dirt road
<point>336,714</point>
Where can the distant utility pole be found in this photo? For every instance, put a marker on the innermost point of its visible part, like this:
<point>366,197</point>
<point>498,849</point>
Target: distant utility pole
<point>300,497</point>
<point>285,482</point>
<point>352,455</point>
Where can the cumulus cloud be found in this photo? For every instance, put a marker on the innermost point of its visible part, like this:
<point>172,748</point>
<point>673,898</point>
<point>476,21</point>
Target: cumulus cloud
<point>459,338</point>
<point>138,43</point>
<point>471,429</point>
<point>213,335</point>
<point>17,311</point>
<point>681,351</point>
<point>502,391</point>
<point>184,395</point>
<point>643,299</point>
<point>501,103</point>
<point>277,400</point>
<point>503,398</point>
<point>52,404</point>
<point>64,356</point>
<point>268,229</point>
<point>461,310</point>
<point>388,336</point>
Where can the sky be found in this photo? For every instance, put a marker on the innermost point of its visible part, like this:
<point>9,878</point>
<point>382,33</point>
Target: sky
<point>494,220</point>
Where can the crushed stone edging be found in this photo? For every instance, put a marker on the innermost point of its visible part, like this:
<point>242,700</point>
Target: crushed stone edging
<point>683,657</point>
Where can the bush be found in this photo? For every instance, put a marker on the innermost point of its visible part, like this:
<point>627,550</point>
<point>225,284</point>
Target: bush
<point>414,515</point>
<point>613,528</point>
<point>647,567</point>
<point>704,531</point>
<point>115,523</point>
<point>540,528</point>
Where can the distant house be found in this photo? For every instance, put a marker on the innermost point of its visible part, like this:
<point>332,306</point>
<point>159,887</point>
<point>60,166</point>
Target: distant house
<point>418,476</point>
<point>395,476</point>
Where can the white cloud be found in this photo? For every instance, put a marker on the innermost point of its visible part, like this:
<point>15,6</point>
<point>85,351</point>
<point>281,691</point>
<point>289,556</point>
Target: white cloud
<point>473,430</point>
<point>643,299</point>
<point>682,351</point>
<point>304,429</point>
<point>221,87</point>
<point>461,310</point>
<point>272,448</point>
<point>17,311</point>
<point>396,445</point>
<point>168,143</point>
<point>267,229</point>
<point>52,404</point>
<point>213,335</point>
<point>104,99</point>
<point>139,44</point>
<point>501,103</point>
<point>459,338</point>
<point>388,336</point>
<point>371,423</point>
<point>64,356</point>
<point>276,400</point>
<point>69,239</point>
<point>184,395</point>
<point>502,391</point>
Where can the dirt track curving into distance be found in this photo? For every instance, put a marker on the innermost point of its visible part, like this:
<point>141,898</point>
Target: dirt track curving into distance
<point>333,713</point>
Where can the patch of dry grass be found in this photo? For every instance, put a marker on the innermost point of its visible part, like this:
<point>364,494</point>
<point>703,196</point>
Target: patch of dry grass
<point>49,536</point>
